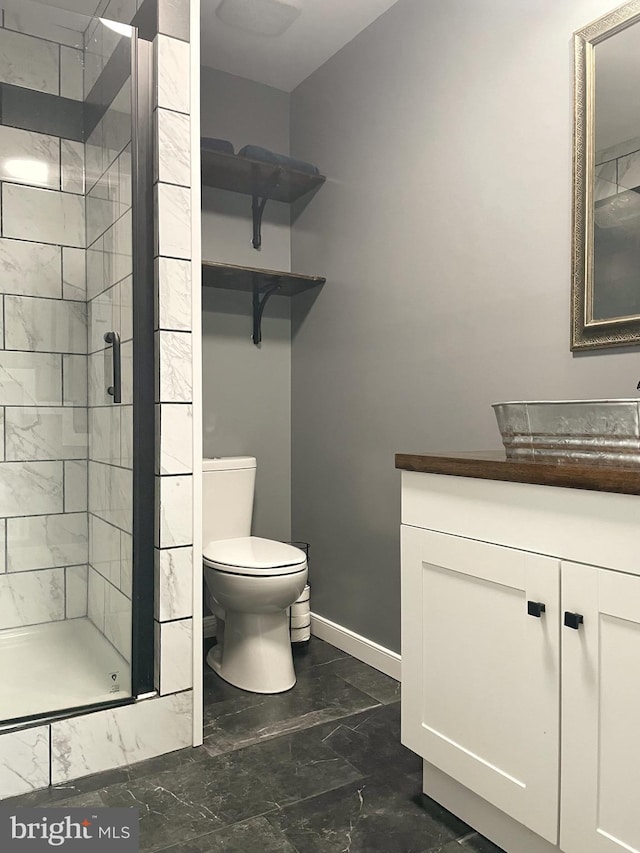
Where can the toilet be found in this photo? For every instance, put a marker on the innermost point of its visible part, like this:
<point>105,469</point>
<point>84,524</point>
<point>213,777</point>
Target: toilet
<point>252,581</point>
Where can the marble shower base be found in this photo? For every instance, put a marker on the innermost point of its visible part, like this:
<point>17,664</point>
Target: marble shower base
<point>58,665</point>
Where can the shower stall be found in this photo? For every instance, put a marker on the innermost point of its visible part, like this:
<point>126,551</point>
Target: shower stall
<point>76,363</point>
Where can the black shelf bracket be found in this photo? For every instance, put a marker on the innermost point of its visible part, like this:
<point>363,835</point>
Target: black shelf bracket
<point>260,202</point>
<point>260,298</point>
<point>257,208</point>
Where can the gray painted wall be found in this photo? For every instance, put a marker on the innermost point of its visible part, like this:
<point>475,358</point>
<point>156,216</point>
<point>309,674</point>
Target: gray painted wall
<point>245,113</point>
<point>246,389</point>
<point>444,231</point>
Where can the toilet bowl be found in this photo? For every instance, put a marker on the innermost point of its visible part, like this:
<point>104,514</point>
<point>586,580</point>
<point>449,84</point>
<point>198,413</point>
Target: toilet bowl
<point>252,582</point>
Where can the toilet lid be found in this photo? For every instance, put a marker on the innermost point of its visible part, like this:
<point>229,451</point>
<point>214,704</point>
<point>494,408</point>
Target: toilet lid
<point>252,555</point>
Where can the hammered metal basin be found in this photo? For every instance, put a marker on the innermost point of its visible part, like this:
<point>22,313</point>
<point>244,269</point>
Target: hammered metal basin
<point>587,431</point>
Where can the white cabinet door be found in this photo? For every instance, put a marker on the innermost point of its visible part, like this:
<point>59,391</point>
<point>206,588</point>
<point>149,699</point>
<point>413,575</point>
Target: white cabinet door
<point>600,803</point>
<point>480,676</point>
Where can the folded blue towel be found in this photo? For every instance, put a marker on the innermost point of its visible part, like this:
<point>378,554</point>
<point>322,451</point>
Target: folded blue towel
<point>255,152</point>
<point>212,144</point>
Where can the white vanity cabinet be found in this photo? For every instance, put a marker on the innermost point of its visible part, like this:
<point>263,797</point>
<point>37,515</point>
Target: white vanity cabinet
<point>600,740</point>
<point>484,707</point>
<point>529,727</point>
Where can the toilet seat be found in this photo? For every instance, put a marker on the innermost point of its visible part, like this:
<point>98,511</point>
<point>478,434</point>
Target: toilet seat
<point>254,557</point>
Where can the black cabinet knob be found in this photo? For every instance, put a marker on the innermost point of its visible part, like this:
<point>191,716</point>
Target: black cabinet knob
<point>573,620</point>
<point>535,608</point>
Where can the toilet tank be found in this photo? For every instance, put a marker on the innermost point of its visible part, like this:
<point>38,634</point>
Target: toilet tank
<point>228,485</point>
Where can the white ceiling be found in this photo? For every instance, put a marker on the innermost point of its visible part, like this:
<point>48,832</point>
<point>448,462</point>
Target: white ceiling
<point>323,27</point>
<point>284,62</point>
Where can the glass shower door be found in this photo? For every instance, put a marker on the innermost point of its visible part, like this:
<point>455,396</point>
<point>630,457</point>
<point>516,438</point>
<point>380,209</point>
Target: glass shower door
<point>67,156</point>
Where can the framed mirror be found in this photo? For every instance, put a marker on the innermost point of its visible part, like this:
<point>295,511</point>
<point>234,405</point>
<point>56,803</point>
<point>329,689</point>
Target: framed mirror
<point>606,221</point>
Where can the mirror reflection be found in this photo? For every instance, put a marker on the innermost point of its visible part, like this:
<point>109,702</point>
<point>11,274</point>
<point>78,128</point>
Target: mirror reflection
<point>606,257</point>
<point>616,221</point>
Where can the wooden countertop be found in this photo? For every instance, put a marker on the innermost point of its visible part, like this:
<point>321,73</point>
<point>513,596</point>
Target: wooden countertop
<point>494,466</point>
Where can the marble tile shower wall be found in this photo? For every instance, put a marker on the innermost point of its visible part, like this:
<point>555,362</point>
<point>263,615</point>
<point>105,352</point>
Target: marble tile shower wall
<point>43,345</point>
<point>174,411</point>
<point>617,170</point>
<point>112,738</point>
<point>69,749</point>
<point>110,307</point>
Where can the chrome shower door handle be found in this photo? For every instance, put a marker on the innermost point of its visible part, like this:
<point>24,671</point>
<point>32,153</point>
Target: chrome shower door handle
<point>115,390</point>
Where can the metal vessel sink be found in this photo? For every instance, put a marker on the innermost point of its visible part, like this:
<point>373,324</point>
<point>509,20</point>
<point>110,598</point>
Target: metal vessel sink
<point>587,431</point>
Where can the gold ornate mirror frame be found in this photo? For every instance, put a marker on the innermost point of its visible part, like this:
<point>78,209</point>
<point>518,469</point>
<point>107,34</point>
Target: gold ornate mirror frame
<point>587,333</point>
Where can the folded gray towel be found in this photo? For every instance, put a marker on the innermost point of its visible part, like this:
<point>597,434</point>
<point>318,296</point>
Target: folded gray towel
<point>212,144</point>
<point>256,152</point>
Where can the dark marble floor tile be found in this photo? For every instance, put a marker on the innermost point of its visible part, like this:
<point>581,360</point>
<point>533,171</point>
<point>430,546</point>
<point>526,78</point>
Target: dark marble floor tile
<point>254,834</point>
<point>296,766</point>
<point>473,844</point>
<point>52,796</point>
<point>191,801</point>
<point>44,799</point>
<point>371,816</point>
<point>150,767</point>
<point>367,679</point>
<point>251,718</point>
<point>216,690</point>
<point>170,761</point>
<point>317,653</point>
<point>371,742</point>
<point>200,798</point>
<point>305,659</point>
<point>58,793</point>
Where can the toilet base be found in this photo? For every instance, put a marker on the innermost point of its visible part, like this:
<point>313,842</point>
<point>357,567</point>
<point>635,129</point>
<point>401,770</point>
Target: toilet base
<point>256,652</point>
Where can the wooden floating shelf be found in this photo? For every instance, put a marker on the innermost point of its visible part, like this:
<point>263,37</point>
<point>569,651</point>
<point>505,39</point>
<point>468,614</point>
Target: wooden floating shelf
<point>251,279</point>
<point>255,177</point>
<point>263,284</point>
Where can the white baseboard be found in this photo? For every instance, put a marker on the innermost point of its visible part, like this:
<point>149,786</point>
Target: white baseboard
<point>359,647</point>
